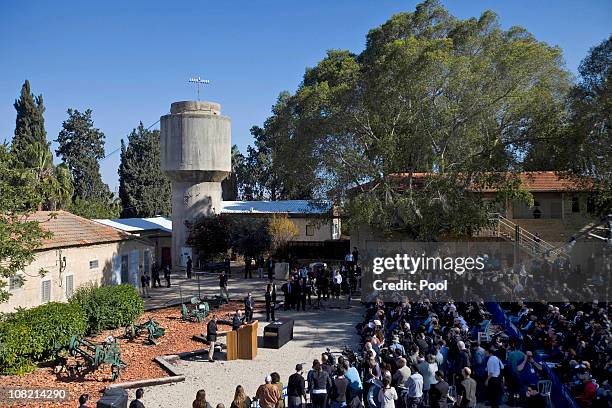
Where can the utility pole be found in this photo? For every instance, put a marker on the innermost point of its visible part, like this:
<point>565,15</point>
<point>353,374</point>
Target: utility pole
<point>199,81</point>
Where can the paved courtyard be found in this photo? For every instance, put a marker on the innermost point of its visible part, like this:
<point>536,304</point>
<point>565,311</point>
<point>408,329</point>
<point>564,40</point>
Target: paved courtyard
<point>314,331</point>
<point>206,285</point>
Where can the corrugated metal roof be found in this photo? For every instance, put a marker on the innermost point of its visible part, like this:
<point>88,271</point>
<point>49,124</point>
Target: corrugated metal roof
<point>139,224</point>
<point>71,230</point>
<point>275,207</point>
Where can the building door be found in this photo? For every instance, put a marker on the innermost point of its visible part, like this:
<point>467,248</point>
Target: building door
<point>166,257</point>
<point>125,273</point>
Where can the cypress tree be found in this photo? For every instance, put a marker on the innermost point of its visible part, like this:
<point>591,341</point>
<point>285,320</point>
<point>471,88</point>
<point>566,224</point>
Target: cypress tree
<point>144,190</point>
<point>29,124</point>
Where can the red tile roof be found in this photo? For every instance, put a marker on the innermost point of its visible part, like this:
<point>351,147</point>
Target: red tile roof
<point>71,230</point>
<point>550,181</point>
<point>532,181</point>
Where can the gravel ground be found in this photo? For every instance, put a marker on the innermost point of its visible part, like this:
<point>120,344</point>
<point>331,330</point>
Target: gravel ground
<point>313,333</point>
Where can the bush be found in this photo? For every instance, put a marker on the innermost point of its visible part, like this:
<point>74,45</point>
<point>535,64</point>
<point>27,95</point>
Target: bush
<point>31,335</point>
<point>108,307</point>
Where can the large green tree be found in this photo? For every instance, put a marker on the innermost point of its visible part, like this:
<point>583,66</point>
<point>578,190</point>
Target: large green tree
<point>20,193</point>
<point>29,124</point>
<point>81,146</point>
<point>589,148</point>
<point>463,100</point>
<point>31,152</point>
<point>144,190</point>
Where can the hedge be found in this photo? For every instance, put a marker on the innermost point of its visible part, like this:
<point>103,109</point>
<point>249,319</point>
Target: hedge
<point>108,307</point>
<point>31,335</point>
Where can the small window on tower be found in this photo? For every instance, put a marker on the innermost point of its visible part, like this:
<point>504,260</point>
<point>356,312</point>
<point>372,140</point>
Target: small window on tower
<point>93,264</point>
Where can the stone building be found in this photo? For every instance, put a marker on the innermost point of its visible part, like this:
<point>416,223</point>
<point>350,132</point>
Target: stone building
<point>80,252</point>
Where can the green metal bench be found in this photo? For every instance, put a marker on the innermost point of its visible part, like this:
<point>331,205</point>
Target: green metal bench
<point>154,331</point>
<point>198,311</point>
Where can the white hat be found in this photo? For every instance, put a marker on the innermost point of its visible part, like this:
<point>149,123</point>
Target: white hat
<point>268,379</point>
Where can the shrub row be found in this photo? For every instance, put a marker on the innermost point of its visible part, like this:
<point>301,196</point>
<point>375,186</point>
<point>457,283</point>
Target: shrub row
<point>32,335</point>
<point>108,307</point>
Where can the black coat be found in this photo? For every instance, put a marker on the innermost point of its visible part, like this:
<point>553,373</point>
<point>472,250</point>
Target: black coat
<point>211,331</point>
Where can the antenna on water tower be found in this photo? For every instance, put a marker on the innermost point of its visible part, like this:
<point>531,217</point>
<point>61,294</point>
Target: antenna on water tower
<point>199,81</point>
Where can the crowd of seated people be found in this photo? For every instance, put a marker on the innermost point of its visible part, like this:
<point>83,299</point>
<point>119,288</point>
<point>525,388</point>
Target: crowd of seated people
<point>434,342</point>
<point>573,338</point>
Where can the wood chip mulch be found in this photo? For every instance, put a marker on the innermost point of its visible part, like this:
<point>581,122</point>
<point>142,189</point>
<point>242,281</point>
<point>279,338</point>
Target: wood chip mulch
<point>136,353</point>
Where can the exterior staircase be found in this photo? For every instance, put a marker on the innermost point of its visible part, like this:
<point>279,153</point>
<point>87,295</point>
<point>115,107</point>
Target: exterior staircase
<point>502,227</point>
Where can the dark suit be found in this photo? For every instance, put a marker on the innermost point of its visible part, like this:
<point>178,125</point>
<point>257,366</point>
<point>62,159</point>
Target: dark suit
<point>438,395</point>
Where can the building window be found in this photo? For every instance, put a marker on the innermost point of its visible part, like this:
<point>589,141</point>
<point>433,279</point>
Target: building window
<point>575,204</point>
<point>15,282</point>
<point>45,291</point>
<point>309,230</point>
<point>93,264</point>
<point>69,286</point>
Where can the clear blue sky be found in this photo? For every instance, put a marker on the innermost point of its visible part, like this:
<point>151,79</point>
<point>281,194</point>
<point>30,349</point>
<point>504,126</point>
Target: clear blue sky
<point>128,60</point>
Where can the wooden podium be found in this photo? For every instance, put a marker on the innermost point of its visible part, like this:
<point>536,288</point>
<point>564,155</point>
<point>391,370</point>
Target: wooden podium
<point>242,343</point>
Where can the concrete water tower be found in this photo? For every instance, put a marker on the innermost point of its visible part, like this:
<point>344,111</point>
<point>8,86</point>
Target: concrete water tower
<point>196,156</point>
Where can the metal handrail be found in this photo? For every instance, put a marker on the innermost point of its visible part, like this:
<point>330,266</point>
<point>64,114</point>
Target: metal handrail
<point>526,238</point>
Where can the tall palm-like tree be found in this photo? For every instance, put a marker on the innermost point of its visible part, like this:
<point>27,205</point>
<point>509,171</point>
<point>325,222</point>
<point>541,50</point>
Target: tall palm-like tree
<point>55,182</point>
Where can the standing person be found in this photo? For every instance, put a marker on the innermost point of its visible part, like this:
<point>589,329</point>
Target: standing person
<point>223,286</point>
<point>137,403</point>
<point>297,297</point>
<point>249,304</point>
<point>438,393</point>
<point>428,368</point>
<point>278,384</point>
<point>167,275</point>
<point>340,386</point>
<point>466,391</point>
<point>387,394</point>
<point>200,400</point>
<point>155,274</point>
<point>189,267</point>
<point>303,292</point>
<point>143,284</point>
<point>288,291</point>
<point>319,385</point>
<point>270,268</point>
<point>237,320</point>
<point>355,385</point>
<point>348,259</point>
<point>296,388</point>
<point>414,389</point>
<point>337,284</point>
<point>494,379</point>
<point>260,266</point>
<point>270,302</point>
<point>248,272</point>
<point>267,394</point>
<point>211,337</point>
<point>355,257</point>
<point>241,400</point>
